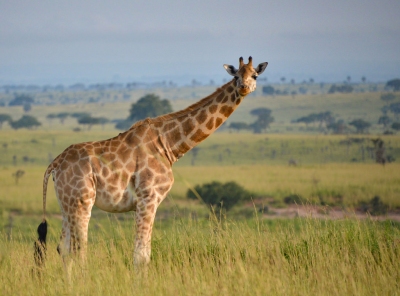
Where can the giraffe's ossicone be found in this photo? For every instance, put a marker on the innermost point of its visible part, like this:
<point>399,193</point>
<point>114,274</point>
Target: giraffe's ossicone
<point>133,171</point>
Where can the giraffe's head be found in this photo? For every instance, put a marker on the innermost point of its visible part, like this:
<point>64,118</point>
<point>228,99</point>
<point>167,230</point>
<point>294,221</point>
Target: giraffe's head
<point>246,75</point>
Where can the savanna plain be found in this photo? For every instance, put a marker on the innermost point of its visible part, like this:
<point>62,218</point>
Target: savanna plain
<point>322,217</point>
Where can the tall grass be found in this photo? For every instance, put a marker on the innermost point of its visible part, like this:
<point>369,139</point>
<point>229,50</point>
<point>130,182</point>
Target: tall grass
<point>285,257</point>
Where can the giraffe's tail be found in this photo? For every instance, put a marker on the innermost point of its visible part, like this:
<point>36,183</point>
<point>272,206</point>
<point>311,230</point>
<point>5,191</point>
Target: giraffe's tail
<point>40,244</point>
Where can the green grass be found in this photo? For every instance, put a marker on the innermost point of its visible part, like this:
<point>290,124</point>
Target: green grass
<point>254,257</point>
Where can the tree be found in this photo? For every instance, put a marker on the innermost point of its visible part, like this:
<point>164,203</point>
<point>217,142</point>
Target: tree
<point>394,84</point>
<point>263,121</point>
<point>21,99</point>
<point>77,115</point>
<point>219,195</point>
<point>337,127</point>
<point>384,120</point>
<point>323,118</point>
<point>340,88</point>
<point>396,126</point>
<point>361,125</point>
<point>306,119</point>
<point>50,117</point>
<point>27,107</point>
<point>239,126</point>
<point>388,97</point>
<point>4,118</point>
<point>90,121</point>
<point>149,106</point>
<point>123,124</point>
<point>62,116</point>
<point>103,121</point>
<point>268,90</point>
<point>26,121</point>
<point>395,109</point>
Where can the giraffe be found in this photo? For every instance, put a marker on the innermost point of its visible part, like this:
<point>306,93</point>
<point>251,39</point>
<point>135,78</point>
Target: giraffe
<point>133,171</point>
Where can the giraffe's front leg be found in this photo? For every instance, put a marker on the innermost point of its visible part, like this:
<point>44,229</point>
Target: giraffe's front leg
<point>150,192</point>
<point>145,215</point>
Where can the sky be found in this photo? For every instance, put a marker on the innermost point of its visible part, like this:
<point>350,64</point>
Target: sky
<point>101,41</point>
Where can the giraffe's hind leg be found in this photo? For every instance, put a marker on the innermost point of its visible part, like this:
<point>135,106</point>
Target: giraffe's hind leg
<point>76,215</point>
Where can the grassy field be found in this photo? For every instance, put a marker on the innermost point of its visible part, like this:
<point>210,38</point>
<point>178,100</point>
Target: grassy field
<point>253,257</point>
<point>240,253</point>
<point>285,109</point>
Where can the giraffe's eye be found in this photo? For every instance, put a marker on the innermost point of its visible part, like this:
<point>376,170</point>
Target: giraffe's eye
<point>255,77</point>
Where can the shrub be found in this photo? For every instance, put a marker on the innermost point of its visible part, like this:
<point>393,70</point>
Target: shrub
<point>375,207</point>
<point>219,195</point>
<point>294,199</point>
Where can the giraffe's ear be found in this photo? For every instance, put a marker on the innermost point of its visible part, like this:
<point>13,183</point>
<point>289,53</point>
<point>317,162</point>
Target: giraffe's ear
<point>230,69</point>
<point>261,67</point>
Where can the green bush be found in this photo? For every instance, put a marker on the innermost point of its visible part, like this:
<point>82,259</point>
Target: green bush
<point>375,207</point>
<point>219,195</point>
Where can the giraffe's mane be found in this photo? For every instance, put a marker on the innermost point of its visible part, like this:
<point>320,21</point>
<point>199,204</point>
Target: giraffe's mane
<point>183,112</point>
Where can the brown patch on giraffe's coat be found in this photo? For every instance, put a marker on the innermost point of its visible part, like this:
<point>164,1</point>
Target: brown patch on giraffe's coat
<point>160,179</point>
<point>111,188</point>
<point>198,136</point>
<point>226,111</point>
<point>151,208</point>
<point>193,113</point>
<point>210,123</point>
<point>98,151</point>
<point>163,189</point>
<point>96,164</point>
<point>175,135</point>
<point>183,148</point>
<point>181,118</point>
<point>233,98</point>
<point>85,166</point>
<point>77,170</point>
<point>72,156</point>
<point>158,124</point>
<point>188,126</point>
<point>218,122</point>
<point>153,163</point>
<point>130,166</point>
<point>141,130</point>
<point>125,153</point>
<point>145,175</point>
<point>225,100</point>
<point>238,101</point>
<point>213,109</point>
<point>208,103</point>
<point>202,116</point>
<point>131,139</point>
<point>105,172</point>
<point>220,97</point>
<point>169,126</point>
<point>230,89</point>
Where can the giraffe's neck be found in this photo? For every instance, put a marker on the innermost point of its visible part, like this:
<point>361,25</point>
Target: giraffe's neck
<point>185,129</point>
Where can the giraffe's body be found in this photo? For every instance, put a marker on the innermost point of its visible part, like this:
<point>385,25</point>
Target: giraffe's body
<point>133,171</point>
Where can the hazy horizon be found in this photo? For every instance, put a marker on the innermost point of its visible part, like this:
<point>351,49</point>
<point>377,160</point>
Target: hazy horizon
<point>88,42</point>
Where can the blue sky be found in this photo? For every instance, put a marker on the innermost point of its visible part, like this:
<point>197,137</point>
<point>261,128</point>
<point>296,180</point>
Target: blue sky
<point>51,42</point>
